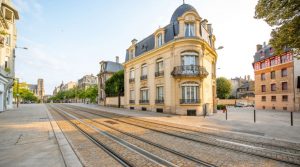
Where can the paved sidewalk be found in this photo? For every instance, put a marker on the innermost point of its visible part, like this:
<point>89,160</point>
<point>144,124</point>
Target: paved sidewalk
<point>270,125</point>
<point>27,138</point>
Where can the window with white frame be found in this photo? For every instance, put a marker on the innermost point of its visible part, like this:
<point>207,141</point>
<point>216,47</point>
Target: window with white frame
<point>131,54</point>
<point>159,65</point>
<point>160,93</point>
<point>144,70</point>
<point>189,29</point>
<point>190,91</point>
<point>144,94</point>
<point>189,58</point>
<point>132,97</point>
<point>159,40</point>
<point>131,74</point>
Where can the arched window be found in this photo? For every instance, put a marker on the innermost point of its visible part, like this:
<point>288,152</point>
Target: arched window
<point>190,93</point>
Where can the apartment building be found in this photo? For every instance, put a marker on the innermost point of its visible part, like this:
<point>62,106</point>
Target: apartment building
<point>274,79</point>
<point>173,70</point>
<point>86,81</point>
<point>68,86</point>
<point>8,36</point>
<point>107,69</point>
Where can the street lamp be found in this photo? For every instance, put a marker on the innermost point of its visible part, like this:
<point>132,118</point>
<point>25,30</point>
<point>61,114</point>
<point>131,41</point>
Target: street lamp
<point>14,55</point>
<point>220,47</point>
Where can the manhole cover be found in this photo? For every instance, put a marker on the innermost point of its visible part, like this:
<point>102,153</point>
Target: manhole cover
<point>111,122</point>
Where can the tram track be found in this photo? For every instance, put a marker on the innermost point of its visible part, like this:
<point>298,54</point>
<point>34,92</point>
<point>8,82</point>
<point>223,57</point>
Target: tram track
<point>161,161</point>
<point>278,155</point>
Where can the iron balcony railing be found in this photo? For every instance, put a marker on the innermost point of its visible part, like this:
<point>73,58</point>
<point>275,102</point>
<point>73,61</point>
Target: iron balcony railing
<point>131,101</point>
<point>159,73</point>
<point>144,101</point>
<point>131,80</point>
<point>189,101</point>
<point>160,101</point>
<point>189,71</point>
<point>144,77</point>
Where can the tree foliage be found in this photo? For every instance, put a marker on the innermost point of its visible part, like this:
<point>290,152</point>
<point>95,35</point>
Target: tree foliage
<point>21,90</point>
<point>90,93</point>
<point>223,88</point>
<point>114,86</point>
<point>284,16</point>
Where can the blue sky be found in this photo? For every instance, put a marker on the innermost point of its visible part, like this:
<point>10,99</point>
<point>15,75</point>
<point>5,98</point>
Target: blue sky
<point>68,38</point>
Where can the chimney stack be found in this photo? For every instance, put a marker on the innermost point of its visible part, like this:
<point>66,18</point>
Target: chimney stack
<point>134,41</point>
<point>117,59</point>
<point>258,47</point>
<point>204,23</point>
<point>209,29</point>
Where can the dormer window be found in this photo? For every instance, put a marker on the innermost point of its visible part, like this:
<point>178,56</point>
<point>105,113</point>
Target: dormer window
<point>159,40</point>
<point>131,54</point>
<point>189,29</point>
<point>9,15</point>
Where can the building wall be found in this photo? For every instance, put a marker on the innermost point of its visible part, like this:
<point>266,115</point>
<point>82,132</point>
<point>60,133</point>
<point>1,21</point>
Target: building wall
<point>8,39</point>
<point>172,92</point>
<point>114,101</point>
<point>278,104</point>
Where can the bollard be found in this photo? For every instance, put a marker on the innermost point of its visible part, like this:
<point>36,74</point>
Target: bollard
<point>292,119</point>
<point>254,116</point>
<point>226,114</point>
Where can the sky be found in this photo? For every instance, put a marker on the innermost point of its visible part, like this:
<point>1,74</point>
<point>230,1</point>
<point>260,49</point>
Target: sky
<point>66,39</point>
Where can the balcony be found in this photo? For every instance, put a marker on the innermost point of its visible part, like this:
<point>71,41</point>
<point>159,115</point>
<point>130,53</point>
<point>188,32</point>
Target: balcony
<point>189,101</point>
<point>160,101</point>
<point>144,101</point>
<point>131,101</point>
<point>159,74</point>
<point>131,80</point>
<point>189,71</point>
<point>144,77</point>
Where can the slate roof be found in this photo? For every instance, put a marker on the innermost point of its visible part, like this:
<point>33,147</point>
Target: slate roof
<point>32,87</point>
<point>266,52</point>
<point>171,30</point>
<point>112,67</point>
<point>181,10</point>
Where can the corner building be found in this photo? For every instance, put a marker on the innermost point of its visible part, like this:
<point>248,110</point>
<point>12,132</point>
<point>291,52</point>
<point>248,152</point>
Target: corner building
<point>174,69</point>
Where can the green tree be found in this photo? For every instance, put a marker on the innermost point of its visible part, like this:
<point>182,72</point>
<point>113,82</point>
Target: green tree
<point>27,95</point>
<point>114,86</point>
<point>284,16</point>
<point>223,88</point>
<point>92,93</point>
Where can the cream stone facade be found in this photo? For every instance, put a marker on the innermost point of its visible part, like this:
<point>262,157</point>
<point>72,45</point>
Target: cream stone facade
<point>69,85</point>
<point>8,36</point>
<point>174,69</point>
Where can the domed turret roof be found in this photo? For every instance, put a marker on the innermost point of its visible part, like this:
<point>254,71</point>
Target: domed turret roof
<point>181,10</point>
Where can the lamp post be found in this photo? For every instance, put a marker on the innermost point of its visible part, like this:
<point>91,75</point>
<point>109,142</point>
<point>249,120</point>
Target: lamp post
<point>215,89</point>
<point>14,56</point>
